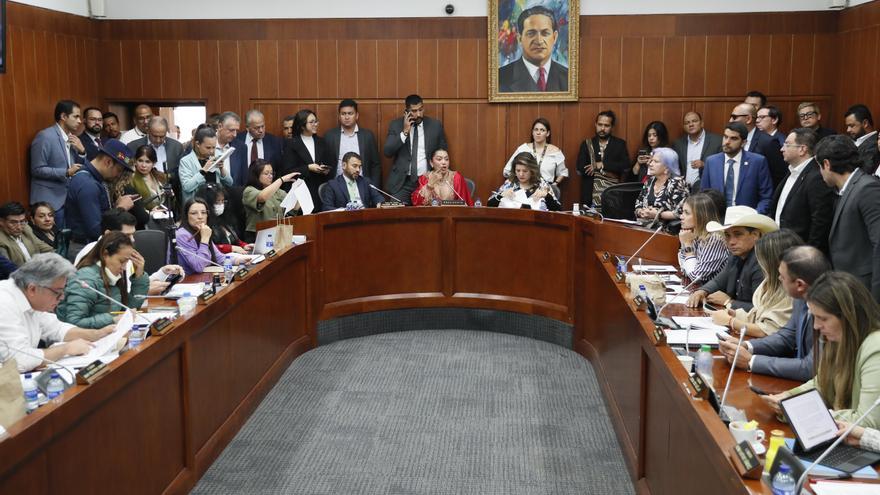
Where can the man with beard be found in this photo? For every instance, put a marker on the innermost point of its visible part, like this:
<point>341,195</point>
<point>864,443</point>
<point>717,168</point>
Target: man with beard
<point>602,160</point>
<point>536,71</point>
<point>111,126</point>
<point>860,127</point>
<point>742,176</point>
<point>411,140</point>
<point>91,136</point>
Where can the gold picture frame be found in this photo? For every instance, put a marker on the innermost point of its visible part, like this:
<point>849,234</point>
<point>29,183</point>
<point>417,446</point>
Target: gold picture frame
<point>513,73</point>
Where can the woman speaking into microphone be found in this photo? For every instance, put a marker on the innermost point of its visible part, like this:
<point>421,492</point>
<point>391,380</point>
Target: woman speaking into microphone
<point>441,183</point>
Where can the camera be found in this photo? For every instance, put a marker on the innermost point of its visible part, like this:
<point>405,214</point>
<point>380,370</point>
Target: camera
<point>450,8</point>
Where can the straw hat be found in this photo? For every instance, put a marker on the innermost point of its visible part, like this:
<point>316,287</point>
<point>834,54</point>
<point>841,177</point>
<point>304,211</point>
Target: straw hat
<point>743,216</point>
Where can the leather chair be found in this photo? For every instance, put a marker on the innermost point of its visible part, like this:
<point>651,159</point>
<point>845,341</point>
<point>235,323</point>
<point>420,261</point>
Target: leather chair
<point>619,200</point>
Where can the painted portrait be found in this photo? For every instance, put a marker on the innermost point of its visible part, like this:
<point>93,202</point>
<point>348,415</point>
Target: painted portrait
<point>533,50</point>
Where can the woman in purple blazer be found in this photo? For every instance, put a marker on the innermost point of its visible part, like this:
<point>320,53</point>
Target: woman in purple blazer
<point>194,240</point>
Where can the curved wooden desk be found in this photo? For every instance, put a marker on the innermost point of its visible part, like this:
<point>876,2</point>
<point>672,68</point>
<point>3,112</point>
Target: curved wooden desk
<point>157,421</point>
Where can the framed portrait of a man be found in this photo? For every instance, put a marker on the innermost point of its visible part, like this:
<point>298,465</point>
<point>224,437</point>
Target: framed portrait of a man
<point>533,50</point>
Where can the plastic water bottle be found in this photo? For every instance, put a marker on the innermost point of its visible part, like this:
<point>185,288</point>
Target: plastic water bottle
<point>435,202</point>
<point>136,336</point>
<point>478,203</point>
<point>576,209</point>
<point>270,243</point>
<point>704,363</point>
<point>55,386</point>
<point>227,268</point>
<point>784,482</point>
<point>186,304</point>
<point>31,393</point>
<point>643,292</point>
<point>621,266</point>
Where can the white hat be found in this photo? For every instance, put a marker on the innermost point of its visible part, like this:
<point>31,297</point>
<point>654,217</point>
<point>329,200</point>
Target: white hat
<point>743,216</point>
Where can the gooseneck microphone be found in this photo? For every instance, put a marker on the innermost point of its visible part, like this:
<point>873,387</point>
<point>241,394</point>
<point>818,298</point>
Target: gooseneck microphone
<point>742,336</point>
<point>197,255</point>
<point>453,190</point>
<point>385,193</point>
<point>84,285</point>
<point>10,349</point>
<point>639,250</point>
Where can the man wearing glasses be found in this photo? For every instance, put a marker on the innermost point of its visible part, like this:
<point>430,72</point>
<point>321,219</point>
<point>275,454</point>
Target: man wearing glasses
<point>810,117</point>
<point>17,241</point>
<point>759,142</point>
<point>27,304</point>
<point>142,115</point>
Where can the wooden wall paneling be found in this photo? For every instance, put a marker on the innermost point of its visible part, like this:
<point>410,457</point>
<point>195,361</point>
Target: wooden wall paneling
<point>482,57</point>
<point>695,51</point>
<point>73,88</point>
<point>41,83</point>
<point>802,64</point>
<point>132,70</point>
<point>609,73</point>
<point>152,69</point>
<point>386,55</point>
<point>673,66</point>
<point>631,77</point>
<point>447,73</point>
<point>288,69</point>
<point>249,75</point>
<point>590,52</point>
<point>328,70</point>
<point>470,78</point>
<point>22,45</point>
<point>408,74</point>
<point>307,68</point>
<point>347,69</point>
<point>494,154</point>
<point>190,69</point>
<point>52,60</point>
<point>737,64</point>
<point>716,65</point>
<point>267,68</point>
<point>781,60</point>
<point>652,66</point>
<point>367,69</point>
<point>633,125</point>
<point>7,181</point>
<point>209,68</point>
<point>169,56</point>
<point>230,76</point>
<point>759,62</point>
<point>428,69</point>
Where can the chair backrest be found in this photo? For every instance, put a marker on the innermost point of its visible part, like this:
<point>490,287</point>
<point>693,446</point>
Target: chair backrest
<point>471,185</point>
<point>619,200</point>
<point>556,192</point>
<point>321,189</point>
<point>153,246</point>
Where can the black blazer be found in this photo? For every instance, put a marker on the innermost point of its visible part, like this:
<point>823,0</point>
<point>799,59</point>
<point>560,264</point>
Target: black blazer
<point>90,146</point>
<point>739,289</point>
<point>711,146</point>
<point>808,208</point>
<point>240,160</point>
<point>296,158</point>
<point>869,154</point>
<point>616,159</point>
<point>335,194</point>
<point>515,78</point>
<point>764,144</point>
<point>854,239</point>
<point>369,151</point>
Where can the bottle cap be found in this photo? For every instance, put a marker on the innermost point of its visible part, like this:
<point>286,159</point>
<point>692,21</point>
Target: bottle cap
<point>55,375</point>
<point>705,348</point>
<point>27,376</point>
<point>777,433</point>
<point>187,294</point>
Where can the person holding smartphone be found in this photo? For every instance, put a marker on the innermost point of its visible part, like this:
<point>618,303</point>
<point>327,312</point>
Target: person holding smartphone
<point>307,153</point>
<point>411,141</point>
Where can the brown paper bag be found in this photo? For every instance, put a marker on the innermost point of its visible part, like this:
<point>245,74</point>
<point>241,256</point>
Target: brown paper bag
<point>12,405</point>
<point>283,236</point>
<point>653,285</point>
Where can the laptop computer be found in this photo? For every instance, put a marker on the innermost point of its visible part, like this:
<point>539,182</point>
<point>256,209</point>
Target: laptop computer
<point>815,430</point>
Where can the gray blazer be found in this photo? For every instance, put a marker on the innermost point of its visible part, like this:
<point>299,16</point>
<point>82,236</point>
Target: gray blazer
<point>434,138</point>
<point>711,146</point>
<point>173,152</point>
<point>854,239</point>
<point>49,164</point>
<point>787,353</point>
<point>369,151</point>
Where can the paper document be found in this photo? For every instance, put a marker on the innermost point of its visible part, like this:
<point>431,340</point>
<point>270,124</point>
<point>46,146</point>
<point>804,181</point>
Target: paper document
<point>178,290</point>
<point>698,322</point>
<point>299,193</point>
<point>509,203</point>
<point>691,337</point>
<point>679,299</point>
<point>671,278</point>
<point>222,158</point>
<point>654,268</point>
<point>826,487</point>
<point>621,220</point>
<point>103,346</point>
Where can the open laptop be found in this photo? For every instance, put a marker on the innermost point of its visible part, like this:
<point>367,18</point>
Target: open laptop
<point>816,430</point>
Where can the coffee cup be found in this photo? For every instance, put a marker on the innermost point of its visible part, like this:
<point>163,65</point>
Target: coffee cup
<point>741,433</point>
<point>687,362</point>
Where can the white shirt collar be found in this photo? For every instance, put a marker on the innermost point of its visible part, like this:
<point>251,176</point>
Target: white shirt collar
<point>848,179</point>
<point>248,139</point>
<point>736,158</point>
<point>533,69</point>
<point>699,139</point>
<point>796,171</point>
<point>62,131</point>
<point>864,138</point>
<point>342,130</point>
<point>751,134</point>
<point>349,181</point>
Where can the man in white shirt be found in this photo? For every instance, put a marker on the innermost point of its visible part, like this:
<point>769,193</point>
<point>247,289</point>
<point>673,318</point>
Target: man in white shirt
<point>27,302</point>
<point>142,115</point>
<point>694,147</point>
<point>860,127</point>
<point>228,124</point>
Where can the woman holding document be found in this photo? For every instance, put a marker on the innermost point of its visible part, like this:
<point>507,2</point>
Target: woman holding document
<point>201,165</point>
<point>263,195</point>
<point>441,183</point>
<point>848,375</point>
<point>526,189</point>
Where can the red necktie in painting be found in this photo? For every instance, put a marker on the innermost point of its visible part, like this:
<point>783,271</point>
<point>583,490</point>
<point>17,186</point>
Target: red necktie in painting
<point>542,79</point>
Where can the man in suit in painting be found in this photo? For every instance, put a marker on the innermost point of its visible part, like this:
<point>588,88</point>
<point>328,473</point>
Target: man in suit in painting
<point>535,71</point>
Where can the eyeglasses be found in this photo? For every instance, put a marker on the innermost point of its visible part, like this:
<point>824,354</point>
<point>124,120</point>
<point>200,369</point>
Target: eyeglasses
<point>791,145</point>
<point>16,222</point>
<point>58,293</point>
<point>807,115</point>
<point>762,117</point>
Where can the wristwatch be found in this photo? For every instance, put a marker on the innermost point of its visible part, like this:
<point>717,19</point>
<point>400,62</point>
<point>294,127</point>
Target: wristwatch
<point>687,250</point>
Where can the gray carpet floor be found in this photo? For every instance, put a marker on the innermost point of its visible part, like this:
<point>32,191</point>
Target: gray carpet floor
<point>428,412</point>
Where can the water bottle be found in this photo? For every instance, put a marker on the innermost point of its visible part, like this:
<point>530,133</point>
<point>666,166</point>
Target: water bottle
<point>136,335</point>
<point>435,202</point>
<point>576,209</point>
<point>704,363</point>
<point>31,393</point>
<point>270,243</point>
<point>784,482</point>
<point>478,203</point>
<point>621,266</point>
<point>55,387</point>
<point>227,268</point>
<point>186,304</point>
<point>643,292</point>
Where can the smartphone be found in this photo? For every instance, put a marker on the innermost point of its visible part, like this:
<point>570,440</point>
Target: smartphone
<point>757,390</point>
<point>172,279</point>
<point>721,336</point>
<point>710,307</point>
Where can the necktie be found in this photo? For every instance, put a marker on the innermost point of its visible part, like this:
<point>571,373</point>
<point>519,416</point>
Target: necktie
<point>254,154</point>
<point>542,79</point>
<point>729,183</point>
<point>353,193</point>
<point>414,153</point>
<point>98,142</point>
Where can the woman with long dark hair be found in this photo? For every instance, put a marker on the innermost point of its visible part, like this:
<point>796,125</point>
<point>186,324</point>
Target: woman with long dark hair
<point>655,136</point>
<point>307,154</point>
<point>194,239</point>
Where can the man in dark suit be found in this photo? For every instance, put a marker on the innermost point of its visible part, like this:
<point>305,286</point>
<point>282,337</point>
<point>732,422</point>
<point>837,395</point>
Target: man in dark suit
<point>759,142</point>
<point>349,186</point>
<point>57,154</point>
<point>694,147</point>
<point>252,144</point>
<point>810,117</point>
<point>348,136</point>
<point>168,151</point>
<point>411,140</point>
<point>787,353</point>
<point>535,71</point>
<point>803,203</point>
<point>860,127</point>
<point>768,121</point>
<point>854,239</point>
<point>91,135</point>
<point>741,176</point>
<point>603,159</point>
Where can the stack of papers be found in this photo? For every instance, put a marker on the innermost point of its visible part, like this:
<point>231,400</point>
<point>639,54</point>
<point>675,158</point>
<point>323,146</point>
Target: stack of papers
<point>826,487</point>
<point>698,330</point>
<point>655,268</point>
<point>104,346</point>
<point>299,193</point>
<point>178,290</point>
<point>698,322</point>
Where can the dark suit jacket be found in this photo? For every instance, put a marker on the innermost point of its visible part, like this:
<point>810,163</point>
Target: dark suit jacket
<point>754,188</point>
<point>369,151</point>
<point>616,159</point>
<point>869,154</point>
<point>335,194</point>
<point>90,146</point>
<point>854,239</point>
<point>764,144</point>
<point>241,160</point>
<point>434,137</point>
<point>515,78</point>
<point>739,289</point>
<point>296,158</point>
<point>173,152</point>
<point>711,146</point>
<point>823,132</point>
<point>787,353</point>
<point>808,208</point>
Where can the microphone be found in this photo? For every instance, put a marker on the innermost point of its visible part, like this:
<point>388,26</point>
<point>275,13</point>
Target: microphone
<point>453,190</point>
<point>683,289</point>
<point>639,250</point>
<point>385,193</point>
<point>742,336</point>
<point>591,212</point>
<point>9,348</point>
<point>800,483</point>
<point>197,255</point>
<point>497,193</point>
<point>105,296</point>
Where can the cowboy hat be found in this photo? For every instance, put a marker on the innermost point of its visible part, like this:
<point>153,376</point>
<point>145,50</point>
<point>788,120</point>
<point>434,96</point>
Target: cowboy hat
<point>743,216</point>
